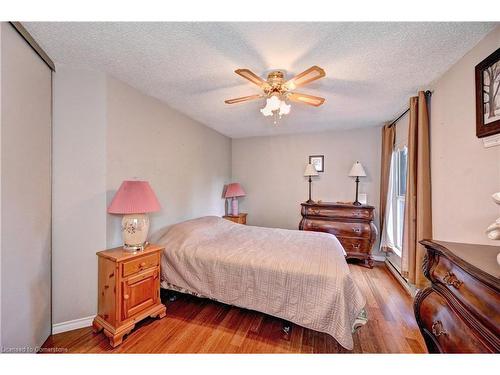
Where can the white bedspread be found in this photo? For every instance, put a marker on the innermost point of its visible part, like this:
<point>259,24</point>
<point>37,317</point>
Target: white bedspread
<point>295,275</point>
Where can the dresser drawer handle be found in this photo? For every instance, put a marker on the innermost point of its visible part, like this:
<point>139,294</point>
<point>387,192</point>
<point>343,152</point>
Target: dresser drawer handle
<point>143,264</point>
<point>126,296</point>
<point>356,230</point>
<point>315,212</point>
<point>450,279</point>
<point>356,213</point>
<point>355,245</point>
<point>437,329</point>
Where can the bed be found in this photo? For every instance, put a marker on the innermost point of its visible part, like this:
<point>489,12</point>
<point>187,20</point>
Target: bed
<point>298,276</point>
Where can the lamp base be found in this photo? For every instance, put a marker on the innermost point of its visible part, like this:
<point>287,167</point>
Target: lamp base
<point>357,203</point>
<point>310,201</point>
<point>135,229</point>
<point>234,207</point>
<point>134,248</point>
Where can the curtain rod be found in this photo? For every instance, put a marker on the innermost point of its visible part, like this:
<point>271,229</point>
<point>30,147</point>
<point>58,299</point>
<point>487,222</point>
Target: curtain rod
<point>428,93</point>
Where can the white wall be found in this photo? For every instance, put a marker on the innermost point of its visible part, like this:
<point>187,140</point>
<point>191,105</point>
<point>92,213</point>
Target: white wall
<point>104,132</point>
<point>464,173</point>
<point>186,163</point>
<point>271,170</point>
<point>79,190</point>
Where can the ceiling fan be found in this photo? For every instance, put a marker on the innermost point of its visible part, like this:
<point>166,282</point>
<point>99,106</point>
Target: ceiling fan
<point>278,91</point>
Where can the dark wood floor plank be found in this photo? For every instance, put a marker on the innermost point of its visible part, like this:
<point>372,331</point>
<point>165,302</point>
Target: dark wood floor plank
<point>195,325</point>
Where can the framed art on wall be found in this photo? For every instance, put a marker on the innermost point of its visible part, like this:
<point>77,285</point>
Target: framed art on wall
<point>488,95</point>
<point>318,161</point>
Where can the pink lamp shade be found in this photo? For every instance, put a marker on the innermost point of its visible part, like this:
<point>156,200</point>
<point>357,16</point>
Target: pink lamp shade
<point>234,190</point>
<point>134,197</point>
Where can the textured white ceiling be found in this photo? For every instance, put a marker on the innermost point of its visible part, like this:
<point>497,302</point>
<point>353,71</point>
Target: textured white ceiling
<point>372,68</point>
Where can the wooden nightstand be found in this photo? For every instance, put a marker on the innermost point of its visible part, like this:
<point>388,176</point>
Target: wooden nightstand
<point>240,219</point>
<point>129,290</point>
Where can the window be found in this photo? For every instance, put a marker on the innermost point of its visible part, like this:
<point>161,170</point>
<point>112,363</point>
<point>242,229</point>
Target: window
<point>400,167</point>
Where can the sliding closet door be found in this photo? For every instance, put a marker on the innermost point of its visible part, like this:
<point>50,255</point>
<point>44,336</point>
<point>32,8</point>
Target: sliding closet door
<point>26,97</point>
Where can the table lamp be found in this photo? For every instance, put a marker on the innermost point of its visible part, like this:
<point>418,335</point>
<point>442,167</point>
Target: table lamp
<point>357,171</point>
<point>234,191</point>
<point>133,200</point>
<point>309,172</point>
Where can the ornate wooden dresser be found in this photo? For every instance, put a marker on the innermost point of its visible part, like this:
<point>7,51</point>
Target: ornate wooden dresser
<point>460,311</point>
<point>352,225</point>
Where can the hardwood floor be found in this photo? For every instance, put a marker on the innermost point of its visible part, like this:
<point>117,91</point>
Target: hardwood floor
<point>194,325</point>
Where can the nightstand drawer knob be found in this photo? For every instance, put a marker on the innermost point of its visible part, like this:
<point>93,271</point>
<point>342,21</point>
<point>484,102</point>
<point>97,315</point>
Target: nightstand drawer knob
<point>126,296</point>
<point>143,264</point>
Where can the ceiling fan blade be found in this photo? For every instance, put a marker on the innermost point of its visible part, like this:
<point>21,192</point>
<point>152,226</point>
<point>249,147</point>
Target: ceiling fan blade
<point>307,76</point>
<point>242,99</point>
<point>305,98</point>
<point>252,77</point>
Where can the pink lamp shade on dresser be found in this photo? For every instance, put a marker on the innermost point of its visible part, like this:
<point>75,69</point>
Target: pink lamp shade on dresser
<point>133,200</point>
<point>234,191</point>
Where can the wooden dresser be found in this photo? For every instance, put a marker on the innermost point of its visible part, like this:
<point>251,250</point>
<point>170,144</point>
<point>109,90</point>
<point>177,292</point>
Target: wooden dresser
<point>241,218</point>
<point>129,290</point>
<point>352,225</point>
<point>460,311</point>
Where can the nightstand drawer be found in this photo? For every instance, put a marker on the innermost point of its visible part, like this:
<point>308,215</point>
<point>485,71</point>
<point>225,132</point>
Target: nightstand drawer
<point>139,264</point>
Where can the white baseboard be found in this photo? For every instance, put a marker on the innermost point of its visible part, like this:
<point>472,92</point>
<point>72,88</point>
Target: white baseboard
<point>378,258</point>
<point>70,325</point>
<point>410,289</point>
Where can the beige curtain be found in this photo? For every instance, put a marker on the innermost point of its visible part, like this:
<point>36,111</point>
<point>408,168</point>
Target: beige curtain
<point>418,218</point>
<point>388,139</point>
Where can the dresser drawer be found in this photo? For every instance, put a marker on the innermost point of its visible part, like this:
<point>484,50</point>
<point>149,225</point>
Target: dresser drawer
<point>447,329</point>
<point>339,228</point>
<point>139,264</point>
<point>350,212</point>
<point>354,245</point>
<point>480,299</point>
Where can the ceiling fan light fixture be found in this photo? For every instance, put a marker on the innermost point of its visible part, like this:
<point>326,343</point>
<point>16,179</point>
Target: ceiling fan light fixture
<point>277,90</point>
<point>274,105</point>
<point>266,111</point>
<point>284,108</point>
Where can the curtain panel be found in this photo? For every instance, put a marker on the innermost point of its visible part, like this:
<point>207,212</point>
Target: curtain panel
<point>418,216</point>
<point>388,140</point>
